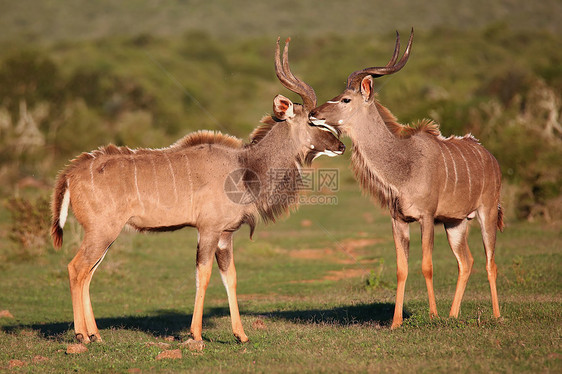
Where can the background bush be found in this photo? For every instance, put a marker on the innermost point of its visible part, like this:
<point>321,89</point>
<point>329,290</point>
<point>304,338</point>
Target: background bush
<point>63,92</point>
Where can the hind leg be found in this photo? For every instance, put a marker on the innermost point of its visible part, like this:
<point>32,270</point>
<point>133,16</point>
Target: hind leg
<point>457,234</point>
<point>80,271</point>
<point>91,326</point>
<point>76,272</point>
<point>488,222</point>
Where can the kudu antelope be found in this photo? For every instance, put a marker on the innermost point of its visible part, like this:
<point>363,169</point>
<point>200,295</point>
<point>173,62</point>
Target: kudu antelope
<point>205,180</point>
<point>420,176</point>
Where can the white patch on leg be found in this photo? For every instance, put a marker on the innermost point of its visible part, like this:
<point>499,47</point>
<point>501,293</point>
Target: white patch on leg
<point>223,243</point>
<point>225,283</point>
<point>64,208</point>
<point>94,268</point>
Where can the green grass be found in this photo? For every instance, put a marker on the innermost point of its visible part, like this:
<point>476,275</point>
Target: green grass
<point>144,292</point>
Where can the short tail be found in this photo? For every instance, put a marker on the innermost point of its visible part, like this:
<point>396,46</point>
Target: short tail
<point>59,209</point>
<point>501,225</point>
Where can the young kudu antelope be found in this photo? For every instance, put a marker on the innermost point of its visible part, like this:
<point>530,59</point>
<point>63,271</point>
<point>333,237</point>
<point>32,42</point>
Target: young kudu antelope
<point>420,176</point>
<point>205,180</point>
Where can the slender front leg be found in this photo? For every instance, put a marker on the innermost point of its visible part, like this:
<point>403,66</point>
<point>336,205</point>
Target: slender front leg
<point>427,236</point>
<point>457,234</point>
<point>225,260</point>
<point>206,247</point>
<point>401,233</point>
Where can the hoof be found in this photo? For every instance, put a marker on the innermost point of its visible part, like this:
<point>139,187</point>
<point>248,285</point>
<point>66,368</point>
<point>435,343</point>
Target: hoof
<point>82,339</point>
<point>95,338</point>
<point>242,340</point>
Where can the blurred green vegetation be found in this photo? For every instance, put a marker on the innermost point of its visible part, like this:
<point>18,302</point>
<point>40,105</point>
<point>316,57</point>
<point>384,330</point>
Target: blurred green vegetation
<point>58,20</point>
<point>60,99</point>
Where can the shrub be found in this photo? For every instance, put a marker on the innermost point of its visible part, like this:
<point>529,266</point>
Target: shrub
<point>30,223</point>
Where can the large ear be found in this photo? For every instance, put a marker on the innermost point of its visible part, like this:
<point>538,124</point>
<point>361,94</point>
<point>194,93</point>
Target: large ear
<point>283,107</point>
<point>367,87</point>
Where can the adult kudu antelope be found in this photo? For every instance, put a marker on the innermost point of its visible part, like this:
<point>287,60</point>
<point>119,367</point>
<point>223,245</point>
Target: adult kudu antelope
<point>420,176</point>
<point>205,180</point>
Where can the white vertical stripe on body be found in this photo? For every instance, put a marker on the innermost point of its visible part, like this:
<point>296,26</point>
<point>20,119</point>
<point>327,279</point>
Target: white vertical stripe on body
<point>137,185</point>
<point>173,177</point>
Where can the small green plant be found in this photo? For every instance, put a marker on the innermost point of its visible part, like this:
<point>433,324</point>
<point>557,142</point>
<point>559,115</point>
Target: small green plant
<point>523,276</point>
<point>29,228</point>
<point>374,280</point>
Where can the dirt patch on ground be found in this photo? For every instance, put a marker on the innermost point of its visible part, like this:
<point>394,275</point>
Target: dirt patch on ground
<point>336,275</point>
<point>344,252</point>
<point>312,254</point>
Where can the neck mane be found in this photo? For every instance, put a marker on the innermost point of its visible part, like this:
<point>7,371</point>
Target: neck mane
<point>207,137</point>
<point>406,131</point>
<point>383,155</point>
<point>273,156</point>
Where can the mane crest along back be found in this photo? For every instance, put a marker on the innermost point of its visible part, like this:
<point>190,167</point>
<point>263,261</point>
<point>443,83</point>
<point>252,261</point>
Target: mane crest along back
<point>261,131</point>
<point>404,131</point>
<point>207,137</point>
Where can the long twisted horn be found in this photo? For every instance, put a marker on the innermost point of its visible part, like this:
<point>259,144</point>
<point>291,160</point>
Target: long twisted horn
<point>392,67</point>
<point>291,82</point>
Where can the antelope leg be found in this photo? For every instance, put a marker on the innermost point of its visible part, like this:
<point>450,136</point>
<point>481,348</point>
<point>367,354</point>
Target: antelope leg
<point>206,247</point>
<point>488,222</point>
<point>225,260</point>
<point>457,234</point>
<point>401,233</point>
<point>427,234</point>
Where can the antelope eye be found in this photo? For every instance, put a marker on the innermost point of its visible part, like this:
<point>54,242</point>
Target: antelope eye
<point>345,100</point>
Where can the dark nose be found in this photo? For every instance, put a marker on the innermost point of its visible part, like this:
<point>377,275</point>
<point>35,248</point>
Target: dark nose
<point>341,147</point>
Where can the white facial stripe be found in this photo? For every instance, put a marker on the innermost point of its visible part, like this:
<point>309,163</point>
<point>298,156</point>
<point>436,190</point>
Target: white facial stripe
<point>318,122</point>
<point>328,153</point>
<point>321,123</point>
<point>332,129</point>
<point>332,102</point>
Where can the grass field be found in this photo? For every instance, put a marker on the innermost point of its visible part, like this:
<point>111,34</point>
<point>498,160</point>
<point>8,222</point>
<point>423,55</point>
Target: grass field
<point>316,294</point>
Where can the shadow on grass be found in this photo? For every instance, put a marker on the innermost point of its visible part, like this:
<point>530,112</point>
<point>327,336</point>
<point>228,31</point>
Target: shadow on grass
<point>360,314</point>
<point>160,323</point>
<point>173,323</point>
